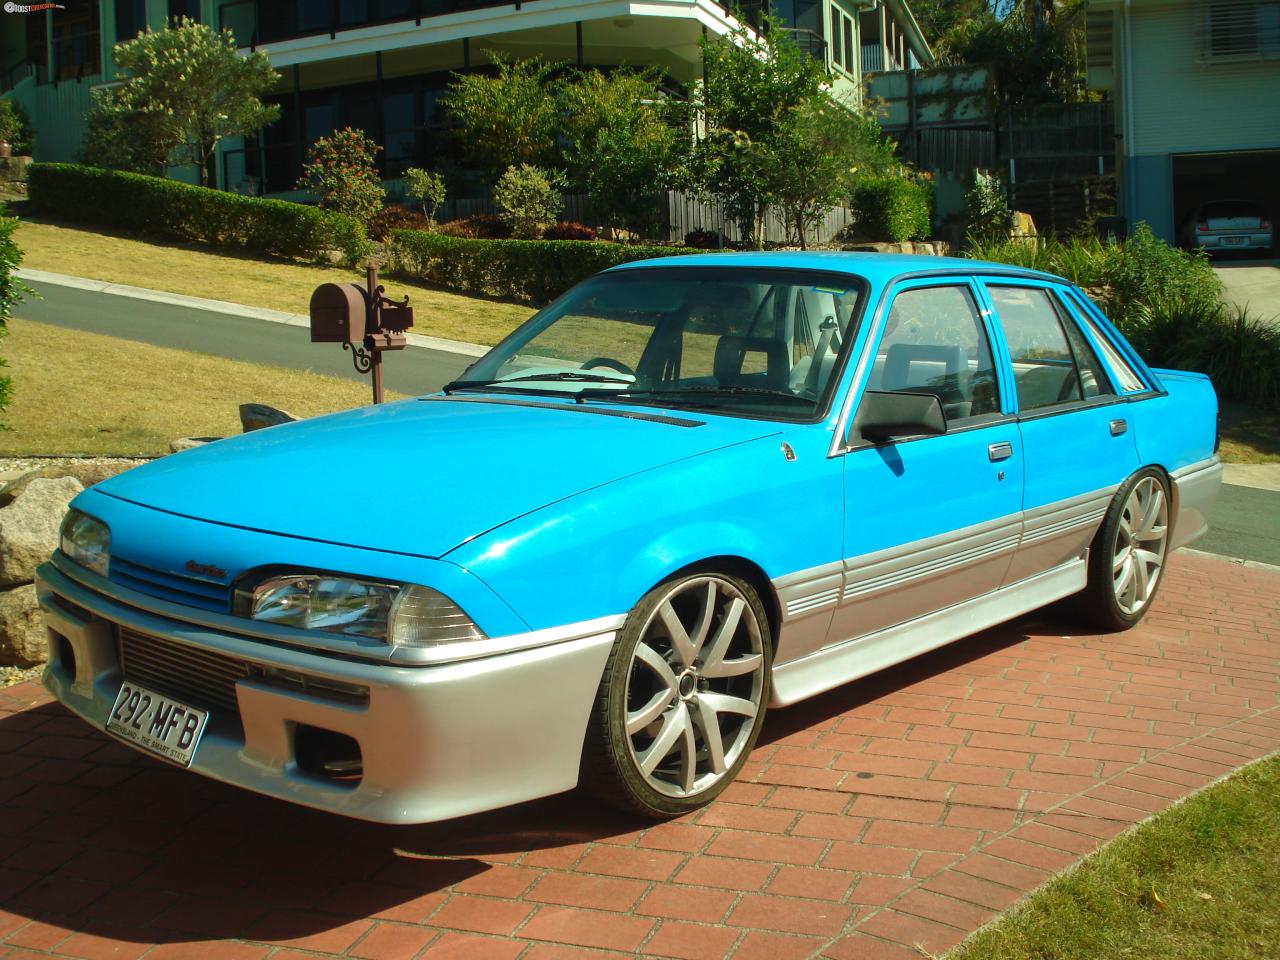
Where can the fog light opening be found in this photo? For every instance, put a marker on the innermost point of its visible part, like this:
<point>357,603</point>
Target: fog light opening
<point>328,755</point>
<point>63,653</point>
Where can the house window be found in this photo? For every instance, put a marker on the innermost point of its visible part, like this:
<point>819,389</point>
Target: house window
<point>76,50</point>
<point>131,18</point>
<point>1242,30</point>
<point>836,49</point>
<point>184,8</point>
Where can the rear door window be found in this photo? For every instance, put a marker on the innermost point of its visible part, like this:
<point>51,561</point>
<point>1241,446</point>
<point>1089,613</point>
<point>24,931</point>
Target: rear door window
<point>1052,361</point>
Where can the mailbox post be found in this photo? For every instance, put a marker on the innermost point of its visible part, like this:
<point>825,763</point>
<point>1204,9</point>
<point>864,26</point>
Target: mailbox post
<point>364,320</point>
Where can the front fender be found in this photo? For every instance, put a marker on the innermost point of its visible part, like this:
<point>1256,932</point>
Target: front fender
<point>595,554</point>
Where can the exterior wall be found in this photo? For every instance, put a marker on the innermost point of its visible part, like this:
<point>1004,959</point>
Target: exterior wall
<point>57,116</point>
<point>1183,105</point>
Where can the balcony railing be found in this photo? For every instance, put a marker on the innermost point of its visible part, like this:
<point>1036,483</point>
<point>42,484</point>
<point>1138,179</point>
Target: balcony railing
<point>254,22</point>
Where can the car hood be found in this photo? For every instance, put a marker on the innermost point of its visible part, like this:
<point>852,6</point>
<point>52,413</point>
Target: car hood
<point>419,476</point>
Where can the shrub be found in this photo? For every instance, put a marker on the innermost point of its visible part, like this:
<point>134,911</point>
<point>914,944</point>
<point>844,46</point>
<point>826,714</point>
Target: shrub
<point>11,290</point>
<point>568,230</point>
<point>533,271</point>
<point>166,208</point>
<point>892,208</point>
<point>988,206</point>
<point>701,239</point>
<point>341,173</point>
<point>425,187</point>
<point>396,218</point>
<point>479,226</point>
<point>14,127</point>
<point>528,199</point>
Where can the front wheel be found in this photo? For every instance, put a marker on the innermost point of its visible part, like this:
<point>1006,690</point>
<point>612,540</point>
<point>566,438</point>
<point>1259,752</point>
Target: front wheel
<point>1127,559</point>
<point>682,698</point>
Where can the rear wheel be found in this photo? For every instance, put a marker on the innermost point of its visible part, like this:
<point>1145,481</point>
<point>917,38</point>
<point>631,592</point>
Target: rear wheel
<point>682,698</point>
<point>1126,561</point>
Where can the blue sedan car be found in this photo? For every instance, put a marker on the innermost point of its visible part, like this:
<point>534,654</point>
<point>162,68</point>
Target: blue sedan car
<point>686,491</point>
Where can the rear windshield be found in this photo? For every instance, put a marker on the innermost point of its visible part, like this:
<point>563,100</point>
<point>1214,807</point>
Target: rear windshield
<point>1230,209</point>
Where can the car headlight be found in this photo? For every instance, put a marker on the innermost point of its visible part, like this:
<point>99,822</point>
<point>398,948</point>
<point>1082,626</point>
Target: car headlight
<point>86,541</point>
<point>404,615</point>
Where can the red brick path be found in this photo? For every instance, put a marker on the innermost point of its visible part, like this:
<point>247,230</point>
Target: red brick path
<point>905,809</point>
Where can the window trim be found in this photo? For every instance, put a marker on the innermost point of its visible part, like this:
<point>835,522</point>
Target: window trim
<point>1103,344</point>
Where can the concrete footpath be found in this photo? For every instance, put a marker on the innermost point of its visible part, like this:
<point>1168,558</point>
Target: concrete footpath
<point>889,817</point>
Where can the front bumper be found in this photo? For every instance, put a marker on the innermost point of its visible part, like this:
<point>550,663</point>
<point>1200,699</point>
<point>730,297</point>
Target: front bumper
<point>436,741</point>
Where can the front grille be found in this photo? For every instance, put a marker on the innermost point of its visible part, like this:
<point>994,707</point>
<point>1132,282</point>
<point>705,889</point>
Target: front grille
<point>201,677</point>
<point>174,587</point>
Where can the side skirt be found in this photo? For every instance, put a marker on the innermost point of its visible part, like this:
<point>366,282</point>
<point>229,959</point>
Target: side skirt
<point>852,659</point>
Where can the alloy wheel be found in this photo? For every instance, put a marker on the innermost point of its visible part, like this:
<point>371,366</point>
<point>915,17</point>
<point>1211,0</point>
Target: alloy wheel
<point>694,687</point>
<point>1141,539</point>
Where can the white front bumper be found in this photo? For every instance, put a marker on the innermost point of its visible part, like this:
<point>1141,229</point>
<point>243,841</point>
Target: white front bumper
<point>436,741</point>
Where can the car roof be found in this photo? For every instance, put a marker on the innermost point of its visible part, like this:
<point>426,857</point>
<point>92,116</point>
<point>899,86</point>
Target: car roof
<point>879,268</point>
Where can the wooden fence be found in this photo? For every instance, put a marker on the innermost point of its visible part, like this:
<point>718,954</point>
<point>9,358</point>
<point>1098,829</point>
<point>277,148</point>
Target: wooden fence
<point>681,214</point>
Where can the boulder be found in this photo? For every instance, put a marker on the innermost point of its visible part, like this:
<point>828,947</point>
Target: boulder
<point>255,416</point>
<point>23,639</point>
<point>29,527</point>
<point>88,472</point>
<point>1021,225</point>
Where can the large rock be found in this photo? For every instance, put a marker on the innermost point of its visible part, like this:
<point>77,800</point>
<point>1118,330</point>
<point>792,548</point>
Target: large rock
<point>29,527</point>
<point>23,639</point>
<point>255,416</point>
<point>88,472</point>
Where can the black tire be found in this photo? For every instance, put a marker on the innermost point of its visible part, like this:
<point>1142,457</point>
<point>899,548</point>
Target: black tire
<point>1102,603</point>
<point>611,768</point>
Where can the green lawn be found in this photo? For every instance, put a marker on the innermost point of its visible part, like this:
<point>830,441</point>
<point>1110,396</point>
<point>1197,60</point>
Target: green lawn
<point>84,393</point>
<point>1199,882</point>
<point>218,274</point>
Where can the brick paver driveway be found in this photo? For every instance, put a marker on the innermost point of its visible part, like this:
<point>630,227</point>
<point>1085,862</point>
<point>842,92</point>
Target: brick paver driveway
<point>905,809</point>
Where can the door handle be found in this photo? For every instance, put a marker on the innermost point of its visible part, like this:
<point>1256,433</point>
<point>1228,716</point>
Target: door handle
<point>999,451</point>
<point>1118,427</point>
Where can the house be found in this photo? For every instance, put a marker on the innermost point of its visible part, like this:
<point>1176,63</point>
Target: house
<point>382,65</point>
<point>1196,86</point>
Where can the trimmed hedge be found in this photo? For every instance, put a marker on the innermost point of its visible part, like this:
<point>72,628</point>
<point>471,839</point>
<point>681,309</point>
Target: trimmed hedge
<point>168,208</point>
<point>535,271</point>
<point>892,208</point>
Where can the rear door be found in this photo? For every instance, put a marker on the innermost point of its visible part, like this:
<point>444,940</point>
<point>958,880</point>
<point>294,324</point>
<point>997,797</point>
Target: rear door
<point>1075,433</point>
<point>931,521</point>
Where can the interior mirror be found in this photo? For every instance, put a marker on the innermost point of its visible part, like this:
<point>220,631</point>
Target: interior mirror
<point>884,416</point>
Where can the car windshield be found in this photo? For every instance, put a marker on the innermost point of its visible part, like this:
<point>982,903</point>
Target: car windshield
<point>746,340</point>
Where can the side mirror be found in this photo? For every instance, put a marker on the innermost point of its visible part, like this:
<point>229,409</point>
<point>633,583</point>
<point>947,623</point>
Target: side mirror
<point>886,416</point>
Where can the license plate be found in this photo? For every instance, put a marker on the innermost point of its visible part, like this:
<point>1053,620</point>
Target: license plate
<point>157,723</point>
<point>1234,241</point>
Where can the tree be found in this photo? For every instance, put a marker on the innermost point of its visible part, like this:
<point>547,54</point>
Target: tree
<point>340,171</point>
<point>187,89</point>
<point>936,17</point>
<point>1036,49</point>
<point>623,143</point>
<point>821,147</point>
<point>425,187</point>
<point>508,117</point>
<point>753,83</point>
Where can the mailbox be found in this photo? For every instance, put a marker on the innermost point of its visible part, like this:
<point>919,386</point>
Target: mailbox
<point>339,313</point>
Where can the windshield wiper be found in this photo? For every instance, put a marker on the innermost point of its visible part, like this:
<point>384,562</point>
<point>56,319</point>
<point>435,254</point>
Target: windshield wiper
<point>569,376</point>
<point>705,389</point>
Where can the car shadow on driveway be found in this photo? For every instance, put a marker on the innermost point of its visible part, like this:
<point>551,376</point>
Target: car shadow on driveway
<point>99,840</point>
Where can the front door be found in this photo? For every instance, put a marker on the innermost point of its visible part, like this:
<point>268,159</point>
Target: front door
<point>931,521</point>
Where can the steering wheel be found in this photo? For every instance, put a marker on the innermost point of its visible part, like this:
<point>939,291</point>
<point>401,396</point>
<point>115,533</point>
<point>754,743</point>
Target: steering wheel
<point>609,363</point>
